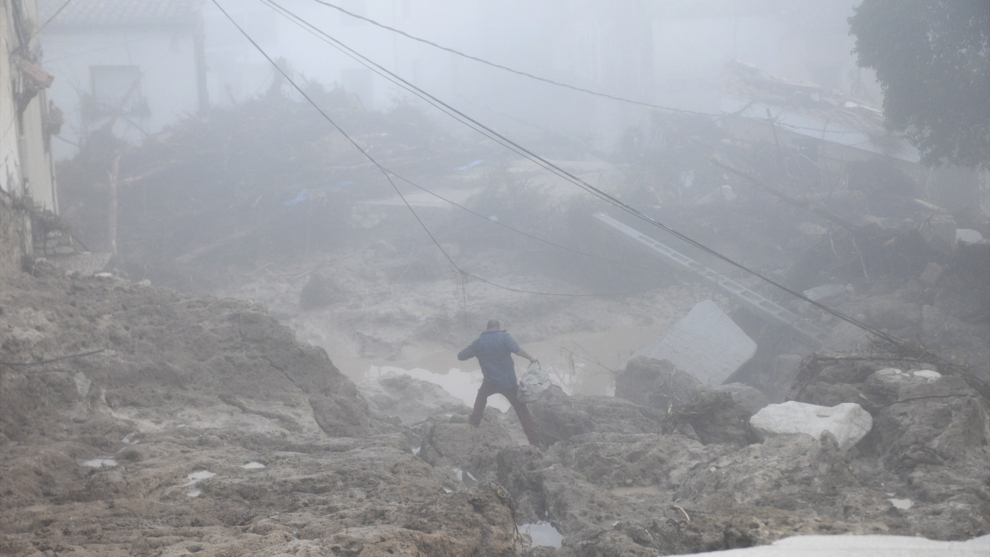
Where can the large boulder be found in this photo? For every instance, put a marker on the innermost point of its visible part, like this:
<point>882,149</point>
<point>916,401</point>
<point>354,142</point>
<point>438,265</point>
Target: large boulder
<point>928,418</point>
<point>453,445</point>
<point>848,422</point>
<point>559,416</point>
<point>409,399</point>
<point>655,383</point>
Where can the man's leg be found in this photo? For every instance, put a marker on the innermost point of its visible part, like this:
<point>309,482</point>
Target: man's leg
<point>528,425</point>
<point>480,402</point>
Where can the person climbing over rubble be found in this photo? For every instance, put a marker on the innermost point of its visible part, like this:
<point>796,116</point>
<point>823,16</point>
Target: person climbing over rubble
<point>494,349</point>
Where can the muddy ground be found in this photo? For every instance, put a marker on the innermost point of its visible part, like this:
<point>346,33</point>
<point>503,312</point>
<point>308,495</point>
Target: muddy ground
<point>203,426</point>
<point>291,405</point>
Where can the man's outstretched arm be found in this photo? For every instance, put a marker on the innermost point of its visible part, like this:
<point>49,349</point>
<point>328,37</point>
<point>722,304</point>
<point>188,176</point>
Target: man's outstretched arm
<point>465,354</point>
<point>526,355</point>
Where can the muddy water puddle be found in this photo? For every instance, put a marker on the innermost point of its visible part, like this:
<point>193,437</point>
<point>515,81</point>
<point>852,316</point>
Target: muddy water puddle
<point>635,490</point>
<point>542,534</point>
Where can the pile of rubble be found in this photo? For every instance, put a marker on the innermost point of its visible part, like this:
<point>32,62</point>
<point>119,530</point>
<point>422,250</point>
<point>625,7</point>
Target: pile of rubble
<point>139,420</point>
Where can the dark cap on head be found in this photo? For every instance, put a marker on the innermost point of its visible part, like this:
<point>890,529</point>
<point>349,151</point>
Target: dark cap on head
<point>493,325</point>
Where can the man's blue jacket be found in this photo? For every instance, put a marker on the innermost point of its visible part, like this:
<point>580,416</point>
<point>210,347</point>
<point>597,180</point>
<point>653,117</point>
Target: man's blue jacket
<point>494,351</point>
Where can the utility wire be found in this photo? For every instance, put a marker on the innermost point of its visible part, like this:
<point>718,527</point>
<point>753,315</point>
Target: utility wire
<point>502,67</point>
<point>555,169</point>
<point>388,176</point>
<point>288,14</point>
<point>537,77</point>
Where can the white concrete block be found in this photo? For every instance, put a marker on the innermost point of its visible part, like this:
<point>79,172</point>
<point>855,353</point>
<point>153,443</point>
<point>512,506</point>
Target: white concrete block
<point>848,422</point>
<point>969,236</point>
<point>861,546</point>
<point>706,343</point>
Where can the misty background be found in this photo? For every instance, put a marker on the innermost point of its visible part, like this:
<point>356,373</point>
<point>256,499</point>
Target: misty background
<point>664,53</point>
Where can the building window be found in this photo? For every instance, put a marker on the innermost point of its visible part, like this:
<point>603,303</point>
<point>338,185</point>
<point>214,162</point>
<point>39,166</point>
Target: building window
<point>115,89</point>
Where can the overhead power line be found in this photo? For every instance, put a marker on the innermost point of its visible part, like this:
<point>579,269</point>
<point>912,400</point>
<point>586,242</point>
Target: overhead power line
<point>540,78</point>
<point>555,169</point>
<point>388,176</point>
<point>502,67</point>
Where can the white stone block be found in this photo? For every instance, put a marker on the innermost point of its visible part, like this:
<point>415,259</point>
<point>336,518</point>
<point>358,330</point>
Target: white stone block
<point>861,546</point>
<point>969,236</point>
<point>848,422</point>
<point>706,343</point>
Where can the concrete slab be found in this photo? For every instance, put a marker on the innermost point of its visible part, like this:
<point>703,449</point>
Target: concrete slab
<point>847,421</point>
<point>861,546</point>
<point>706,343</point>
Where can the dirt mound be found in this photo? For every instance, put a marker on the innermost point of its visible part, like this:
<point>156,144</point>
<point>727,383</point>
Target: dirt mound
<point>186,424</point>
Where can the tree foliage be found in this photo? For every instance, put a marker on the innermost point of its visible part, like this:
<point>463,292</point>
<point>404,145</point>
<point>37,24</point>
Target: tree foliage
<point>932,59</point>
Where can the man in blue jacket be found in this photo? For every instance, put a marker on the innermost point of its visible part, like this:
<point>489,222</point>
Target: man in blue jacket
<point>494,350</point>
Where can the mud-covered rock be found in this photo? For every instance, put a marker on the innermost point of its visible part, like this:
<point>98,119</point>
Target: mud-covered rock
<point>934,420</point>
<point>455,444</point>
<point>750,398</point>
<point>559,416</point>
<point>411,400</point>
<point>714,417</point>
<point>655,383</point>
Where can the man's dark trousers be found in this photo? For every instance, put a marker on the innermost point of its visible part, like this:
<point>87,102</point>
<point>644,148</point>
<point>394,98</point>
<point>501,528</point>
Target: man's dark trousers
<point>487,390</point>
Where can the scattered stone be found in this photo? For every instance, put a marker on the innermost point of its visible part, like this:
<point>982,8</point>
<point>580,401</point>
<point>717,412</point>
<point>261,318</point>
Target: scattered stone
<point>848,422</point>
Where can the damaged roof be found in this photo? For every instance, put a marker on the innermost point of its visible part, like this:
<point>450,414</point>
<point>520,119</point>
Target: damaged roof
<point>119,13</point>
<point>809,109</point>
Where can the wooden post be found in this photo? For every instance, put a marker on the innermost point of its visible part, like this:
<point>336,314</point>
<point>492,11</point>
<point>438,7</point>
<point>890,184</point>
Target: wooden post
<point>112,217</point>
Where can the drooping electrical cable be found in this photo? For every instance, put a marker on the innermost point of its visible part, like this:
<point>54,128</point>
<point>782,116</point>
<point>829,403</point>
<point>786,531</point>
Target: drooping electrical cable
<point>388,175</point>
<point>540,78</point>
<point>555,169</point>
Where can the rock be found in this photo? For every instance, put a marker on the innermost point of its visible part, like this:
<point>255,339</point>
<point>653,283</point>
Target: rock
<point>706,344</point>
<point>319,291</point>
<point>750,398</point>
<point>892,313</point>
<point>931,274</point>
<point>932,420</point>
<point>411,400</point>
<point>969,236</point>
<point>560,417</point>
<point>460,446</point>
<point>655,383</point>
<point>341,416</point>
<point>939,232</point>
<point>714,418</point>
<point>848,422</point>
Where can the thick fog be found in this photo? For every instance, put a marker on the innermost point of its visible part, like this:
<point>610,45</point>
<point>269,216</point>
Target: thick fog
<point>664,53</point>
<point>537,278</point>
